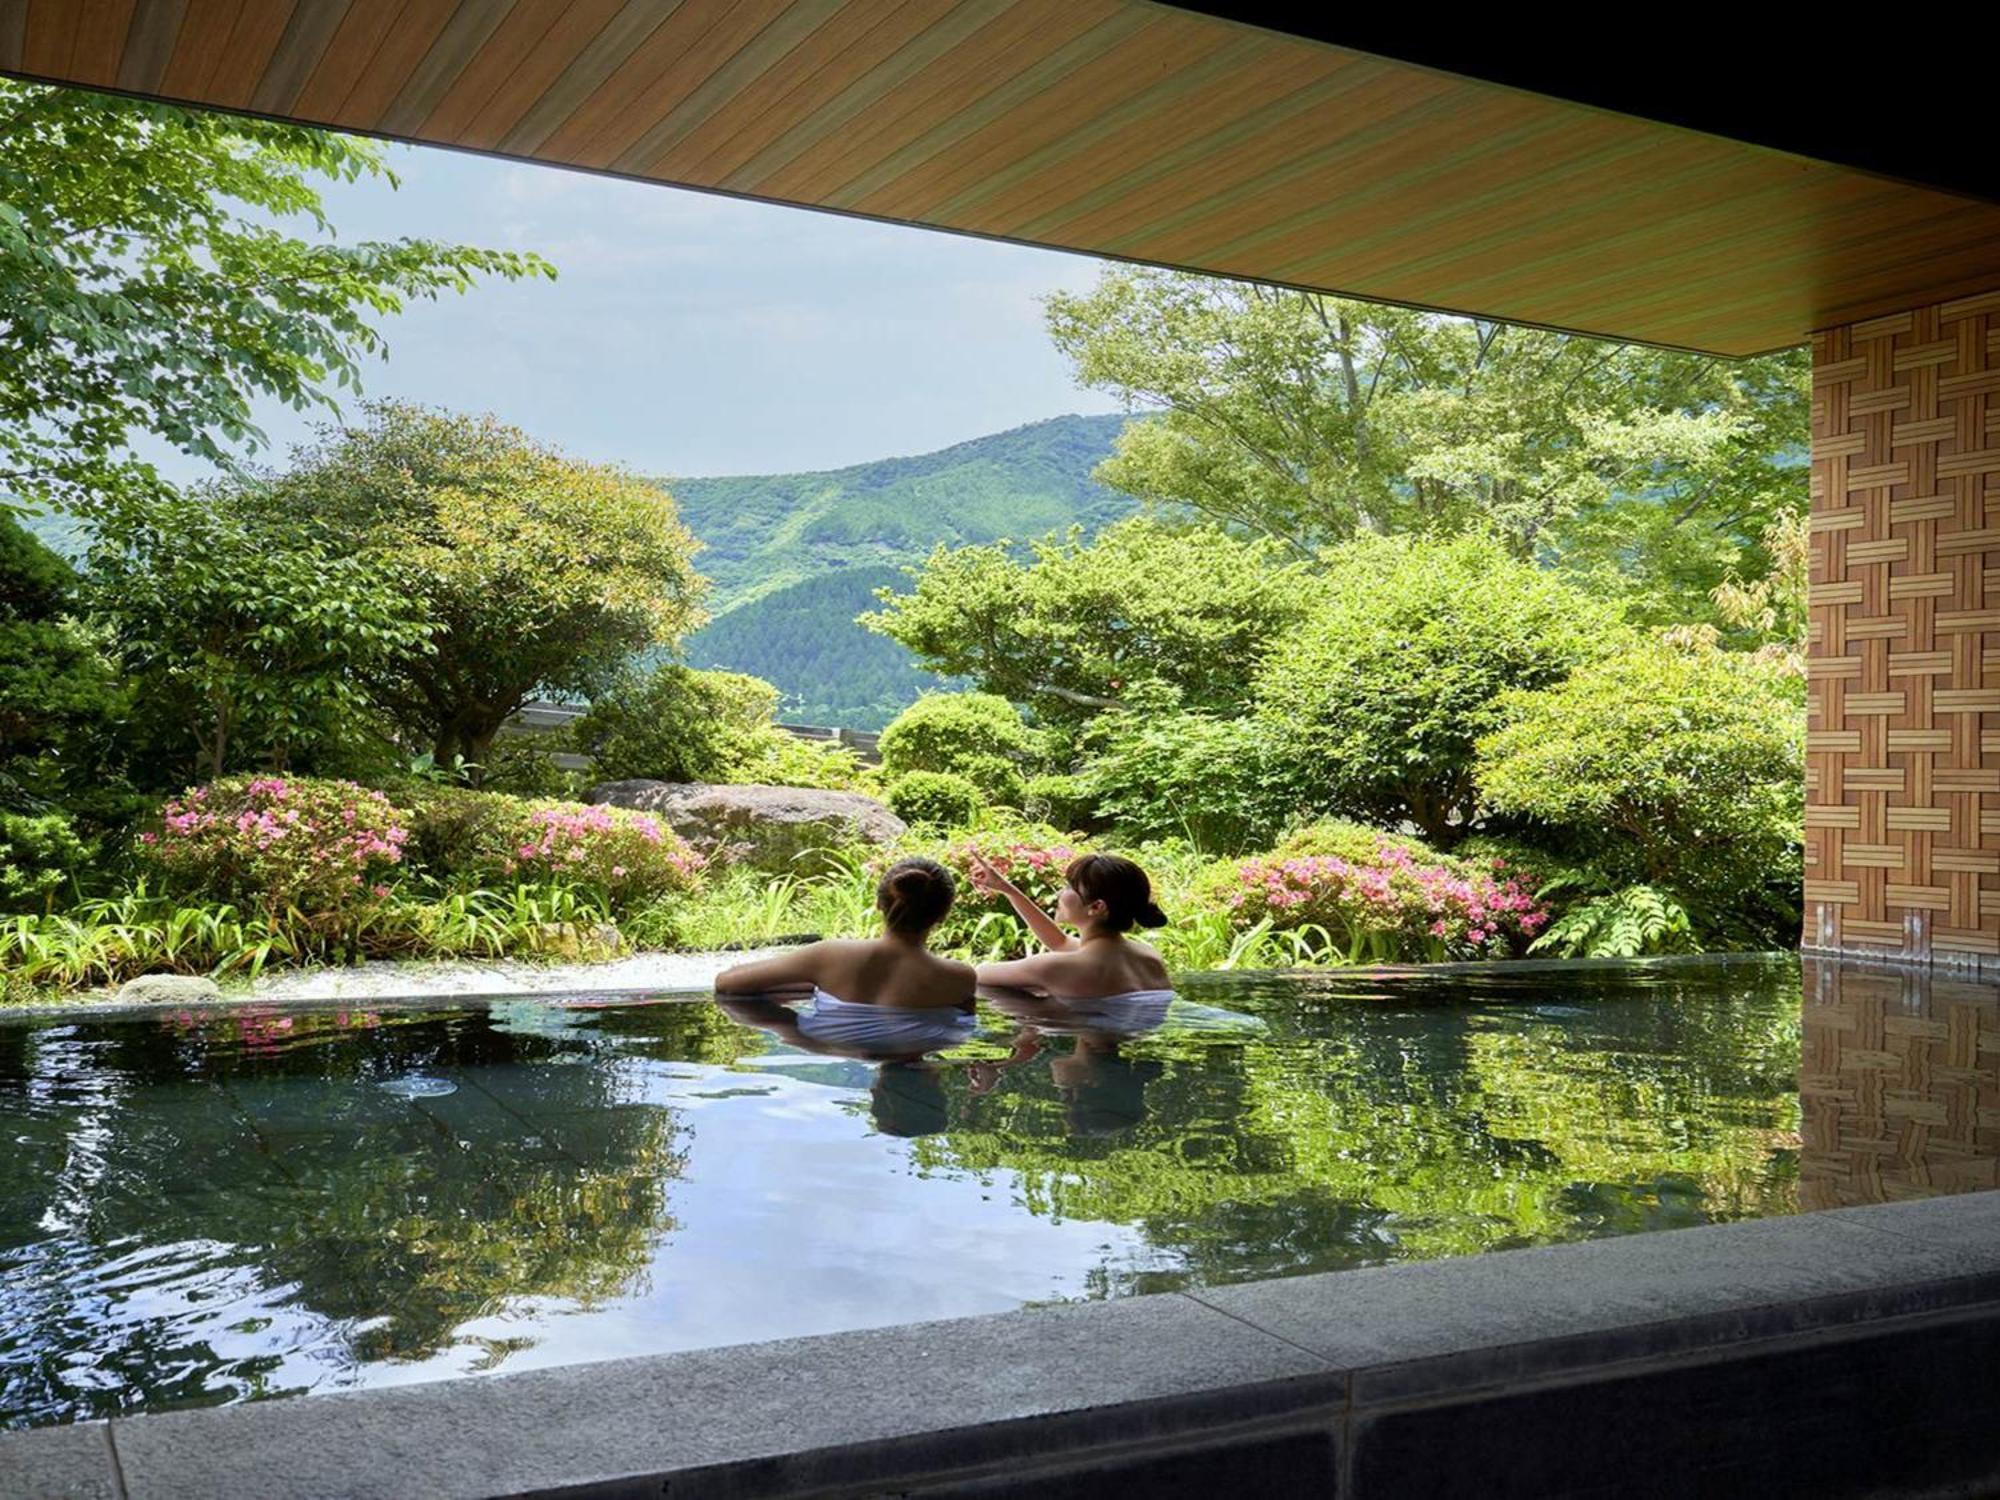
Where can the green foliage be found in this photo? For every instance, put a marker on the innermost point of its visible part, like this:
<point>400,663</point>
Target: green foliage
<point>60,699</point>
<point>1062,799</point>
<point>934,799</point>
<point>465,840</point>
<point>1084,624</point>
<point>631,859</point>
<point>248,642</point>
<point>457,836</point>
<point>1367,896</point>
<point>1373,709</point>
<point>1314,419</point>
<point>105,940</point>
<point>977,736</point>
<point>1176,775</point>
<point>151,289</point>
<point>673,724</point>
<point>1674,768</point>
<point>537,574</point>
<point>1635,922</point>
<point>292,847</point>
<point>40,854</point>
<point>523,764</point>
<point>772,757</point>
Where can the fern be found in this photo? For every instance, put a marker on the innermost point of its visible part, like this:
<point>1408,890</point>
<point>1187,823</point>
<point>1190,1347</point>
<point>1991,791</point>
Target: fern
<point>1631,923</point>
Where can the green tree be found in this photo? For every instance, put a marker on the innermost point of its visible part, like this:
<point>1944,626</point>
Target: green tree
<point>1677,767</point>
<point>1374,707</point>
<point>1313,419</point>
<point>536,573</point>
<point>248,642</point>
<point>673,724</point>
<point>150,289</point>
<point>1181,775</point>
<point>1076,629</point>
<point>59,696</point>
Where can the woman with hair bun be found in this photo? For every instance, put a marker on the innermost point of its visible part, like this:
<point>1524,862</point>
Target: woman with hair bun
<point>1104,896</point>
<point>888,996</point>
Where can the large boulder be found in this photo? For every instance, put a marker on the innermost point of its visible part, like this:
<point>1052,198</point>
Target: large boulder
<point>774,828</point>
<point>168,989</point>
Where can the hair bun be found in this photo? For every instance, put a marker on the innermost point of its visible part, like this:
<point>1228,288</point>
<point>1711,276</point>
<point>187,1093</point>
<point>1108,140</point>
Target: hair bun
<point>1152,916</point>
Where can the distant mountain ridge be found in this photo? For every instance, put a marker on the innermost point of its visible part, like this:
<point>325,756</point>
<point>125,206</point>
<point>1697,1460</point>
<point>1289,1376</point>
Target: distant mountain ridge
<point>794,557</point>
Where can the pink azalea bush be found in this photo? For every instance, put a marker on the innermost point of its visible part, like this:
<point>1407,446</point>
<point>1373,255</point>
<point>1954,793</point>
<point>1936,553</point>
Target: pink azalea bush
<point>279,844</point>
<point>1385,899</point>
<point>632,857</point>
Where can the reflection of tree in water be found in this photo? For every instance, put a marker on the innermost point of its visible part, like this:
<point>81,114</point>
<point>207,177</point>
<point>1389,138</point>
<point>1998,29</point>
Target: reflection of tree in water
<point>263,1152</point>
<point>1355,1132</point>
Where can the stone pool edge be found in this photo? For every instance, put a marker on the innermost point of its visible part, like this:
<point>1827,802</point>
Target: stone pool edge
<point>1849,1351</point>
<point>691,978</point>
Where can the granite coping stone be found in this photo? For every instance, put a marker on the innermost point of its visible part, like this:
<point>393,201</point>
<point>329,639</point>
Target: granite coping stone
<point>60,1463</point>
<point>1427,1328</point>
<point>610,1428</point>
<point>1047,1389</point>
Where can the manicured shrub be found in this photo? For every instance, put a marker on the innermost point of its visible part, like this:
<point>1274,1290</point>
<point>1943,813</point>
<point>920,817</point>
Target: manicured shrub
<point>39,855</point>
<point>631,857</point>
<point>279,844</point>
<point>1373,710</point>
<point>459,837</point>
<point>934,799</point>
<point>975,735</point>
<point>468,840</point>
<point>1064,798</point>
<point>1389,902</point>
<point>1676,767</point>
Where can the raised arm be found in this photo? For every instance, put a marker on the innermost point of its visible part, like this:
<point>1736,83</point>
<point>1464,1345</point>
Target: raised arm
<point>989,881</point>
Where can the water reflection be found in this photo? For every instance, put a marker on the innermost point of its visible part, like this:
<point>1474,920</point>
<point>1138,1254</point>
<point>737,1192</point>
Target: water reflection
<point>204,1208</point>
<point>906,1093</point>
<point>1103,1088</point>
<point>1899,1086</point>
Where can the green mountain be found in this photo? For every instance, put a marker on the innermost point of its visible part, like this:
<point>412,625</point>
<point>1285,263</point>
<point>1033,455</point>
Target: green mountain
<point>794,557</point>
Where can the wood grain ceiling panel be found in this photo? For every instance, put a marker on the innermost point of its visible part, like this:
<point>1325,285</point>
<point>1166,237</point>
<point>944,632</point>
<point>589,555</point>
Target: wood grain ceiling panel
<point>1117,127</point>
<point>1062,106</point>
<point>100,39</point>
<point>795,89</point>
<point>532,30</point>
<point>966,55</point>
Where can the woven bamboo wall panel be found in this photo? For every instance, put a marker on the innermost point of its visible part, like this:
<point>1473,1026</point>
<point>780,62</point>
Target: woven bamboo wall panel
<point>1899,1087</point>
<point>1903,740</point>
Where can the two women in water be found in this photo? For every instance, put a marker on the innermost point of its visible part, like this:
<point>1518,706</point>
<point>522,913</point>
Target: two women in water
<point>1104,896</point>
<point>891,1001</point>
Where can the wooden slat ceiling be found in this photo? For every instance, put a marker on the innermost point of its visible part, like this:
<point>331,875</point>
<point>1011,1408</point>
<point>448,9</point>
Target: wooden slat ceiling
<point>1116,127</point>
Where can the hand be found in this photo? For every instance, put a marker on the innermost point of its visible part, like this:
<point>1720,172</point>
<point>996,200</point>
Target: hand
<point>985,879</point>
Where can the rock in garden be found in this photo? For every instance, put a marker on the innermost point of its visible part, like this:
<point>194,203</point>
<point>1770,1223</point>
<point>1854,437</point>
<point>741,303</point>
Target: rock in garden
<point>774,828</point>
<point>168,989</point>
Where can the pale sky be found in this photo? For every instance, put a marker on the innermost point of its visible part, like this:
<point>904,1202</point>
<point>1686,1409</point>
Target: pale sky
<point>689,334</point>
